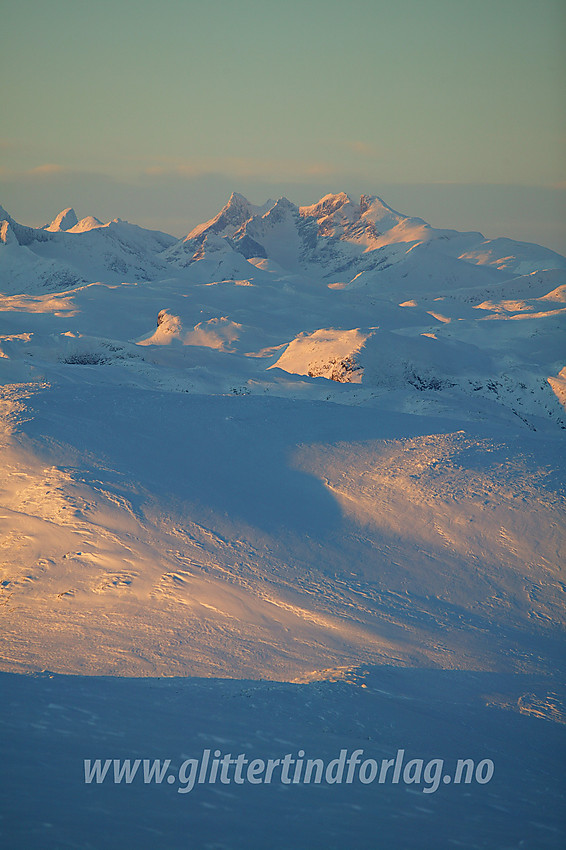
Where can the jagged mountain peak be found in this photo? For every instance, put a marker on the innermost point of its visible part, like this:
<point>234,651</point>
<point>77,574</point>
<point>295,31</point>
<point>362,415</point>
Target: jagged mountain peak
<point>367,201</point>
<point>374,209</point>
<point>327,205</point>
<point>225,223</point>
<point>284,204</point>
<point>66,219</point>
<point>282,209</point>
<point>237,199</point>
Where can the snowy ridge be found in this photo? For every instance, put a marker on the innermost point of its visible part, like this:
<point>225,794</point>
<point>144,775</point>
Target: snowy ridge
<point>70,252</point>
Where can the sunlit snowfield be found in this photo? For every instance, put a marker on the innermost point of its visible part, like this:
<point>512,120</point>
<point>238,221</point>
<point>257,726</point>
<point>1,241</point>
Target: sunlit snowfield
<point>317,452</point>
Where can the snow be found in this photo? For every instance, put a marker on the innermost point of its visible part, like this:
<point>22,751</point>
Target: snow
<point>87,223</point>
<point>66,220</point>
<point>326,352</point>
<point>310,498</point>
<point>55,722</point>
<point>518,259</point>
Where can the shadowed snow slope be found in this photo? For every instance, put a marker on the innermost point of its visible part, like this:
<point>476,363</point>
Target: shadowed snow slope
<point>58,721</point>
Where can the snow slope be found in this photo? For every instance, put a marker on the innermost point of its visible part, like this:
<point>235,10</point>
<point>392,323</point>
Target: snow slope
<point>300,444</point>
<point>71,252</point>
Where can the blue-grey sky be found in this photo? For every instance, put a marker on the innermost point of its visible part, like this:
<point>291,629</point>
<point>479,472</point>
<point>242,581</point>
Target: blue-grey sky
<point>449,109</point>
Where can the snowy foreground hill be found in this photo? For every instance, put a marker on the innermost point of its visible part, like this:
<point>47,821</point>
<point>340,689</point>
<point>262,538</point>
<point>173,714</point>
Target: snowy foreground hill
<point>294,483</point>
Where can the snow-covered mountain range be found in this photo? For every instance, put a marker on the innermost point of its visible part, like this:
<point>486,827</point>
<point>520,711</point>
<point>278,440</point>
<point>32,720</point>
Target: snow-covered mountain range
<point>300,444</point>
<point>380,327</point>
<point>355,292</point>
<point>335,239</point>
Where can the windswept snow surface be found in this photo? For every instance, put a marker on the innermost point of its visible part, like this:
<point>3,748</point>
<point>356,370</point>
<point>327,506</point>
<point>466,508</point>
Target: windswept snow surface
<point>319,446</point>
